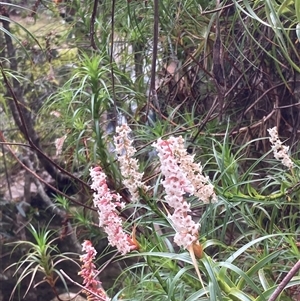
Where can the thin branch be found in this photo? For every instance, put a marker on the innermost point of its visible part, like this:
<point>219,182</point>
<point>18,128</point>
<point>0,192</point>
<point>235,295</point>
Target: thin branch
<point>152,93</point>
<point>92,26</point>
<point>5,170</point>
<point>56,210</point>
<point>207,118</point>
<point>207,12</point>
<point>113,6</point>
<point>21,114</point>
<point>285,281</point>
<point>40,179</point>
<point>81,286</point>
<point>25,132</point>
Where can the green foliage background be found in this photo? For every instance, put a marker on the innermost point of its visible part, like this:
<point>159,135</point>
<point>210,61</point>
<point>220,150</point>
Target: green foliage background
<point>225,72</point>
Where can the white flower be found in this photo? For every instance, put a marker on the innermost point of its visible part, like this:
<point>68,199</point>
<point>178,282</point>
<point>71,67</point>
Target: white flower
<point>129,167</point>
<point>280,151</point>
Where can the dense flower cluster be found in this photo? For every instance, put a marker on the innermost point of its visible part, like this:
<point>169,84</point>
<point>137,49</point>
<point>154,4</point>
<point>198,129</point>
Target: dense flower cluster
<point>280,151</point>
<point>181,177</point>
<point>202,188</point>
<point>107,202</point>
<point>88,273</point>
<point>132,178</point>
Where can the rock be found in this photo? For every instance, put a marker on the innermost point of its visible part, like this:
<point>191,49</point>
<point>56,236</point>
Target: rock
<point>69,296</point>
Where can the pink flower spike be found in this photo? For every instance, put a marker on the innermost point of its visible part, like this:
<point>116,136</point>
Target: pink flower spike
<point>181,176</point>
<point>88,273</point>
<point>129,167</point>
<point>176,185</point>
<point>107,202</point>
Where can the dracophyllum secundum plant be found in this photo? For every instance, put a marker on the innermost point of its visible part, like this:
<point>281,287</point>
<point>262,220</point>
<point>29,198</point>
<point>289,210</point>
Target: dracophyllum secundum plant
<point>176,259</point>
<point>182,176</point>
<point>42,257</point>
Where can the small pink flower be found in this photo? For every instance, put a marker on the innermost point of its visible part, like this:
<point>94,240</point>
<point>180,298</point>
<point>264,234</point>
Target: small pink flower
<point>107,203</point>
<point>88,273</point>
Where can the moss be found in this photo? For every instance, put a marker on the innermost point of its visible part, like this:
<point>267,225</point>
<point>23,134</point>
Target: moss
<point>65,56</point>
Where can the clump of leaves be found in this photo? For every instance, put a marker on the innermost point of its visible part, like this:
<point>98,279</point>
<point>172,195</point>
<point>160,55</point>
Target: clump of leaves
<point>42,256</point>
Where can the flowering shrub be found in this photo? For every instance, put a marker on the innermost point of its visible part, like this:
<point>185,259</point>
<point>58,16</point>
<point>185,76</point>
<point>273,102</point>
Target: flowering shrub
<point>181,174</point>
<point>182,181</point>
